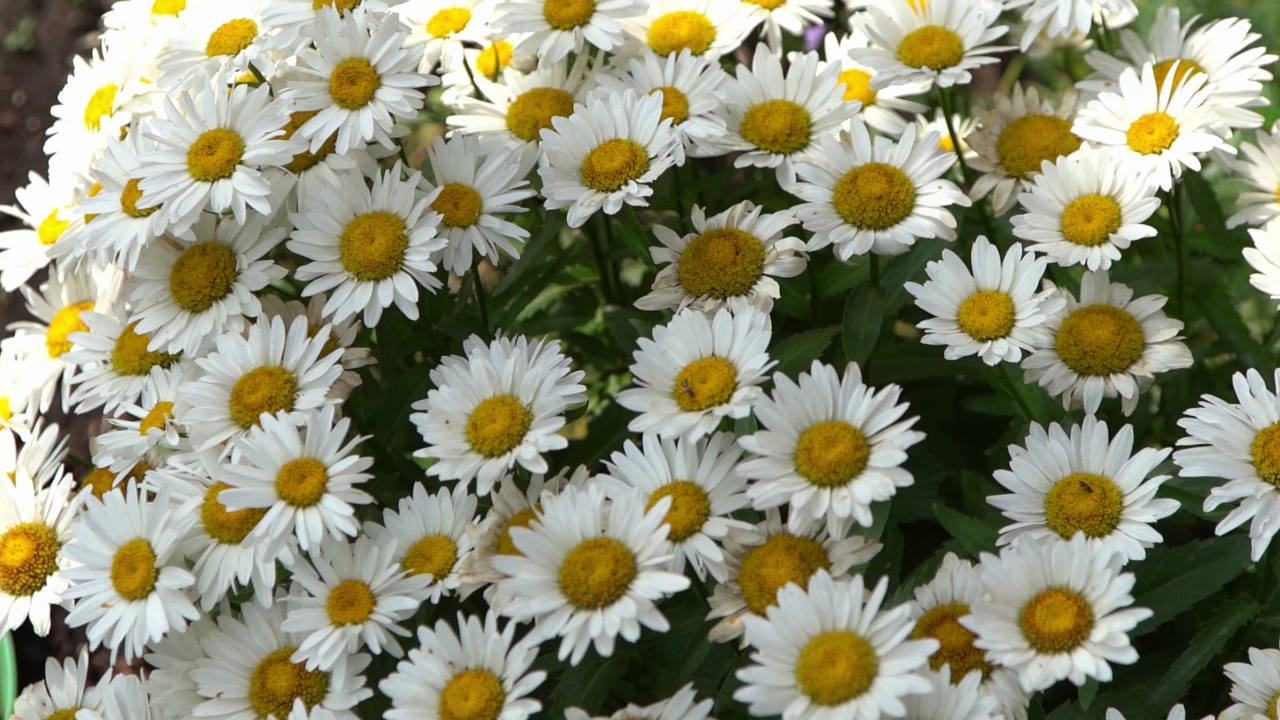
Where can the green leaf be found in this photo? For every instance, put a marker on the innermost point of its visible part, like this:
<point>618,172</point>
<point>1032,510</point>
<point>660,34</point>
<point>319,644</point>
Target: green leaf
<point>796,353</point>
<point>974,535</point>
<point>1087,693</point>
<point>588,685</point>
<point>1172,582</point>
<point>863,317</point>
<point>1227,323</point>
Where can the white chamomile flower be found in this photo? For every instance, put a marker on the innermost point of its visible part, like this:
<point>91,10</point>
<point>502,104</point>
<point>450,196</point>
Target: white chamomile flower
<point>939,45</point>
<point>1255,685</point>
<point>360,78</point>
<point>704,487</point>
<point>17,411</point>
<point>830,447</point>
<point>121,227</point>
<point>1264,256</point>
<point>1107,344</point>
<point>882,109</point>
<point>730,257</point>
<point>1057,611</point>
<point>342,336</point>
<point>489,60</point>
<point>1085,208</point>
<point>429,532</point>
<point>443,27</point>
<point>306,477</point>
<point>556,28</point>
<point>129,584</point>
<point>289,25</point>
<point>684,705</point>
<point>370,246</point>
<point>46,211</point>
<point>707,28</point>
<point>34,529</point>
<point>790,15</point>
<point>472,672</point>
<point>590,571</point>
<point>513,113</point>
<point>994,310</point>
<point>865,194</point>
<point>62,692</point>
<point>963,125</point>
<point>500,404</point>
<point>113,361</point>
<point>1083,482</point>
<point>774,116</point>
<point>1260,168</point>
<point>830,651</point>
<point>145,424</point>
<point>698,369</point>
<point>215,37</point>
<point>1057,19</point>
<point>40,460</point>
<point>98,101</point>
<point>171,661</point>
<point>952,698</point>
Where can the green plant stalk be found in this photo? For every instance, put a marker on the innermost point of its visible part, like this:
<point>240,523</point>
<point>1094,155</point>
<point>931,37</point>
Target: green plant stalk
<point>1176,222</point>
<point>481,302</point>
<point>1027,413</point>
<point>602,266</point>
<point>944,102</point>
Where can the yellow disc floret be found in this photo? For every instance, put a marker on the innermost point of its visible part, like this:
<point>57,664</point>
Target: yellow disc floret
<point>681,30</point>
<point>1056,620</point>
<point>342,6</point>
<point>1265,452</point>
<point>459,205</point>
<point>276,682</point>
<point>614,163</point>
<point>1099,340</point>
<point>267,389</point>
<point>129,198</point>
<point>215,155</point>
<point>777,126</point>
<point>474,694</point>
<point>353,83</point>
<point>1032,139</point>
<point>721,263</point>
<point>1152,133</point>
<point>498,425</point>
<point>986,315</point>
<point>705,383</point>
<point>931,46</point>
<point>302,483</point>
<point>448,21</point>
<point>98,481</point>
<point>101,103</point>
<point>942,623</point>
<point>372,246</point>
<point>531,113</point>
<point>568,14</point>
<point>168,7</point>
<point>874,196</point>
<point>64,322</point>
<point>28,556</point>
<point>835,667</point>
<point>231,37</point>
<point>350,603</point>
<point>831,453</point>
<point>130,356</point>
<point>202,275</point>
<point>1186,69</point>
<point>521,519</point>
<point>133,570</point>
<point>780,560</point>
<point>690,508</point>
<point>675,104</point>
<point>306,159</point>
<point>227,527</point>
<point>1083,502</point>
<point>1090,220</point>
<point>433,555</point>
<point>857,86</point>
<point>494,58</point>
<point>51,228</point>
<point>596,573</point>
<point>156,418</point>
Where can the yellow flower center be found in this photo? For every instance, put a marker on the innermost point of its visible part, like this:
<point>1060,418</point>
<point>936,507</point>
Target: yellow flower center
<point>306,160</point>
<point>1186,69</point>
<point>498,425</point>
<point>129,198</point>
<point>597,572</point>
<point>267,389</point>
<point>681,30</point>
<point>130,356</point>
<point>1056,620</point>
<point>472,694</point>
<point>276,682</point>
<point>705,383</point>
<point>1152,133</point>
<point>494,58</point>
<point>568,14</point>
<point>100,481</point>
<point>302,482</point>
<point>342,6</point>
<point>231,37</point>
<point>101,103</point>
<point>857,86</point>
<point>614,163</point>
<point>202,275</point>
<point>353,83</point>
<point>350,603</point>
<point>777,126</point>
<point>721,263</point>
<point>780,560</point>
<point>459,205</point>
<point>767,4</point>
<point>215,155</point>
<point>675,104</point>
<point>1083,501</point>
<point>51,228</point>
<point>448,21</point>
<point>521,519</point>
<point>1031,139</point>
<point>931,46</point>
<point>986,315</point>
<point>28,556</point>
<point>64,322</point>
<point>942,623</point>
<point>6,411</point>
<point>156,417</point>
<point>168,7</point>
<point>875,196</point>
<point>1265,452</point>
<point>1089,220</point>
<point>133,570</point>
<point>831,453</point>
<point>531,113</point>
<point>1099,340</point>
<point>64,714</point>
<point>372,246</point>
<point>835,667</point>
<point>227,527</point>
<point>690,508</point>
<point>433,555</point>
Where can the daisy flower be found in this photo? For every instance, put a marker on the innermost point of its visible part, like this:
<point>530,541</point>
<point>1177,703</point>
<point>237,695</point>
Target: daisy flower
<point>829,650</point>
<point>556,28</point>
<point>882,109</point>
<point>429,534</point>
<point>359,77</point>
<point>34,529</point>
<point>129,584</point>
<point>952,698</point>
<point>1086,482</point>
<point>698,369</point>
<point>215,37</point>
<point>1015,137</point>
<point>371,246</point>
<point>495,406</point>
<point>41,457</point>
<point>342,336</point>
<point>1084,209</point>
<point>443,27</point>
<point>1057,19</point>
<point>684,705</point>
<point>98,101</point>
<point>514,112</point>
<point>591,571</point>
<point>290,24</point>
<point>146,424</point>
<point>790,15</point>
<point>1255,685</point>
<point>1265,258</point>
<point>306,478</point>
<point>114,362</point>
<point>17,412</point>
<point>993,311</point>
<point>1260,168</point>
<point>731,257</point>
<point>63,692</point>
<point>1057,611</point>
<point>171,660</point>
<point>122,225</point>
<point>939,45</point>
<point>774,117</point>
<point>46,211</point>
<point>864,194</point>
<point>607,153</point>
<point>704,487</point>
<point>707,28</point>
<point>963,125</point>
<point>488,59</point>
<point>475,671</point>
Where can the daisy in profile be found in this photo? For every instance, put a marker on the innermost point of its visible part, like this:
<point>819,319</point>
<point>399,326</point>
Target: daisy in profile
<point>442,28</point>
<point>607,153</point>
<point>1086,482</point>
<point>63,691</point>
<point>1015,137</point>
<point>1264,256</point>
<point>514,112</point>
<point>704,487</point>
<point>774,116</point>
<point>34,529</point>
<point>830,650</point>
<point>684,705</point>
<point>591,571</point>
<point>1255,685</point>
<point>1057,19</point>
<point>46,212</point>
<point>706,28</point>
<point>698,369</point>
<point>555,28</point>
<point>884,109</point>
<point>829,447</point>
<point>1056,611</point>
<point>952,698</point>
<point>1084,209</point>
<point>488,59</point>
<point>129,584</point>
<point>1260,168</point>
<point>730,257</point>
<point>495,406</point>
<point>993,311</point>
<point>122,223</point>
<point>964,125</point>
<point>429,533</point>
<point>146,424</point>
<point>865,194</point>
<point>939,45</point>
<point>113,361</point>
<point>790,15</point>
<point>475,671</point>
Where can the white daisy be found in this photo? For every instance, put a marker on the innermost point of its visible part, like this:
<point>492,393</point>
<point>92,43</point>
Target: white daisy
<point>708,28</point>
<point>1255,685</point>
<point>121,227</point>
<point>123,697</point>
<point>1260,168</point>
<point>114,362</point>
<point>443,28</point>
<point>342,336</point>
<point>829,651</point>
<point>1057,19</point>
<point>98,101</point>
<point>146,424</point>
<point>1087,482</point>
<point>212,38</point>
<point>952,698</point>
<point>993,311</point>
<point>46,211</point>
<point>34,524</point>
<point>1265,258</point>
<point>882,109</point>
<point>497,405</point>
<point>790,15</point>
<point>697,370</point>
<point>513,113</point>
<point>41,457</point>
<point>1057,611</point>
<point>865,194</point>
<point>171,661</point>
<point>556,28</point>
<point>62,692</point>
<point>489,59</point>
<point>963,125</point>
<point>938,45</point>
<point>683,705</point>
<point>1107,344</point>
<point>429,533</point>
<point>291,24</point>
<point>591,571</point>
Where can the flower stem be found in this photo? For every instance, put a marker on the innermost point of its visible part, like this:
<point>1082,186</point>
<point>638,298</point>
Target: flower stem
<point>602,265</point>
<point>1176,222</point>
<point>481,301</point>
<point>1027,413</point>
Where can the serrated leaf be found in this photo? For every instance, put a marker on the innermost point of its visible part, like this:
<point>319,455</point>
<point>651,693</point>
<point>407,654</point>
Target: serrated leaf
<point>974,535</point>
<point>863,318</point>
<point>1178,579</point>
<point>794,354</point>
